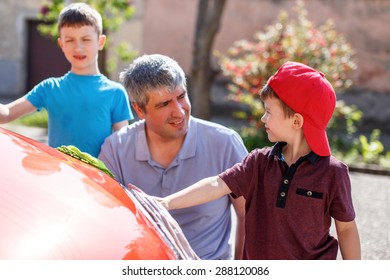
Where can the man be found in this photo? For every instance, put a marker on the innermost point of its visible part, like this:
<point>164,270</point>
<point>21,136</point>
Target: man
<point>168,149</point>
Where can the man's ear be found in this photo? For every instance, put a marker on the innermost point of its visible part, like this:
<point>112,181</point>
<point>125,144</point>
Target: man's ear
<point>138,110</point>
<point>298,121</point>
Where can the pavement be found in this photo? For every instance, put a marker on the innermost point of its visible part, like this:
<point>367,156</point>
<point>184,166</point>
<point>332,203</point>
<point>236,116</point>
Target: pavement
<point>371,196</point>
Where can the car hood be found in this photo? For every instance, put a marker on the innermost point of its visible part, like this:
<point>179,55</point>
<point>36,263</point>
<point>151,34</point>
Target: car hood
<point>53,206</point>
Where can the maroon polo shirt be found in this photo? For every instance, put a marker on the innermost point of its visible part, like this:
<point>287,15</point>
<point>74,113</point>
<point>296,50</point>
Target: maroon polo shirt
<point>289,209</point>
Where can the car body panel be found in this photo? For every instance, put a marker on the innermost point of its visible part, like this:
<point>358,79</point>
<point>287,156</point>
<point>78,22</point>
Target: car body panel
<point>53,206</point>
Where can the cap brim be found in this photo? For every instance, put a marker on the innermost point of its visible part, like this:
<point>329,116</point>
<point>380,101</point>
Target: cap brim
<point>317,139</point>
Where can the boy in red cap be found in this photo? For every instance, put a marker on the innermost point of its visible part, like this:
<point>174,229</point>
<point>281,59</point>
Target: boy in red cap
<point>295,188</point>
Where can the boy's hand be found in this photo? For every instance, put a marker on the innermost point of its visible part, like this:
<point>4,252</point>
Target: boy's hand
<point>162,201</point>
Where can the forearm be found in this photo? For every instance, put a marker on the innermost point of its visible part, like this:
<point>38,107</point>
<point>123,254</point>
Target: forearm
<point>119,125</point>
<point>349,240</point>
<point>239,210</point>
<point>15,110</point>
<point>201,192</point>
<point>4,113</point>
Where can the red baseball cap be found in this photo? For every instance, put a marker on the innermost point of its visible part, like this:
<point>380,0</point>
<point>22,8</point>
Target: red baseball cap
<point>307,92</point>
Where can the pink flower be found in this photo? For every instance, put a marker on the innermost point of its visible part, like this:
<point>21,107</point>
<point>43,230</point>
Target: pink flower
<point>44,10</point>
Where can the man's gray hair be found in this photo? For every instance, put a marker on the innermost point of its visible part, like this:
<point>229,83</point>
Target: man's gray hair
<point>151,72</point>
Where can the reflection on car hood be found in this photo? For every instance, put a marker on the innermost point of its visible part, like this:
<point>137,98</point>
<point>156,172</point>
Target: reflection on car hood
<point>53,206</point>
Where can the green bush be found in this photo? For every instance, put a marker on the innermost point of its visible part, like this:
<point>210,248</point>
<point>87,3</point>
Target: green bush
<point>37,119</point>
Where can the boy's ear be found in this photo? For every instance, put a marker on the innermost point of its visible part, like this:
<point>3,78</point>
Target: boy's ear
<point>102,41</point>
<point>298,121</point>
<point>59,42</point>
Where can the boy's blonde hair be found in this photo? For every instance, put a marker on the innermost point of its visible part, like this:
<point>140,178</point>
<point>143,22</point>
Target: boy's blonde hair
<point>80,14</point>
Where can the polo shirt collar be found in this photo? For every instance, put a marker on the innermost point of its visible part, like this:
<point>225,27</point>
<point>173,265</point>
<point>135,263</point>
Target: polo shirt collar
<point>142,151</point>
<point>188,149</point>
<point>277,151</point>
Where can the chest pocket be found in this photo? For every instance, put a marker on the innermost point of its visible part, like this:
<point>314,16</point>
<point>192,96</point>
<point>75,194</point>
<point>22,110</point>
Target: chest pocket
<point>309,193</point>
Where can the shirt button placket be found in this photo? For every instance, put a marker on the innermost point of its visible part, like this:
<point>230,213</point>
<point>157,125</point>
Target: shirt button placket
<point>281,201</point>
<point>165,188</point>
<point>282,193</point>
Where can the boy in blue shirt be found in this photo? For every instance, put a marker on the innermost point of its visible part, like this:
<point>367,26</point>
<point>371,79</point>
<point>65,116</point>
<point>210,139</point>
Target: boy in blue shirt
<point>83,106</point>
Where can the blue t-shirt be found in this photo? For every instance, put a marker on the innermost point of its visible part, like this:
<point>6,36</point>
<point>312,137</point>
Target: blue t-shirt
<point>81,109</point>
<point>208,149</point>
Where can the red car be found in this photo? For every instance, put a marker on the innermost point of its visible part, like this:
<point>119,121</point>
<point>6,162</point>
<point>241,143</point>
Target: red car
<point>53,206</point>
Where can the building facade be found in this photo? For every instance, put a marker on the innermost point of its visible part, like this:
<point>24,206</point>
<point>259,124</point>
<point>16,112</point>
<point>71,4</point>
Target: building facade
<point>168,26</point>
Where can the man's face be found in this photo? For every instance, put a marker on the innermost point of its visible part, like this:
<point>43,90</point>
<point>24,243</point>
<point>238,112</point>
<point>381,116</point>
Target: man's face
<point>167,113</point>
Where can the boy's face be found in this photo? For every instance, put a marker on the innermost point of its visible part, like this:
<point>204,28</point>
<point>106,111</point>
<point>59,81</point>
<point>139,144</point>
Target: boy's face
<point>166,114</point>
<point>81,46</point>
<point>277,125</point>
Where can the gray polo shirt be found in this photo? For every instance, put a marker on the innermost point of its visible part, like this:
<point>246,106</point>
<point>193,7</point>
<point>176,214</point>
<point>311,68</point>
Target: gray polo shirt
<point>208,150</point>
